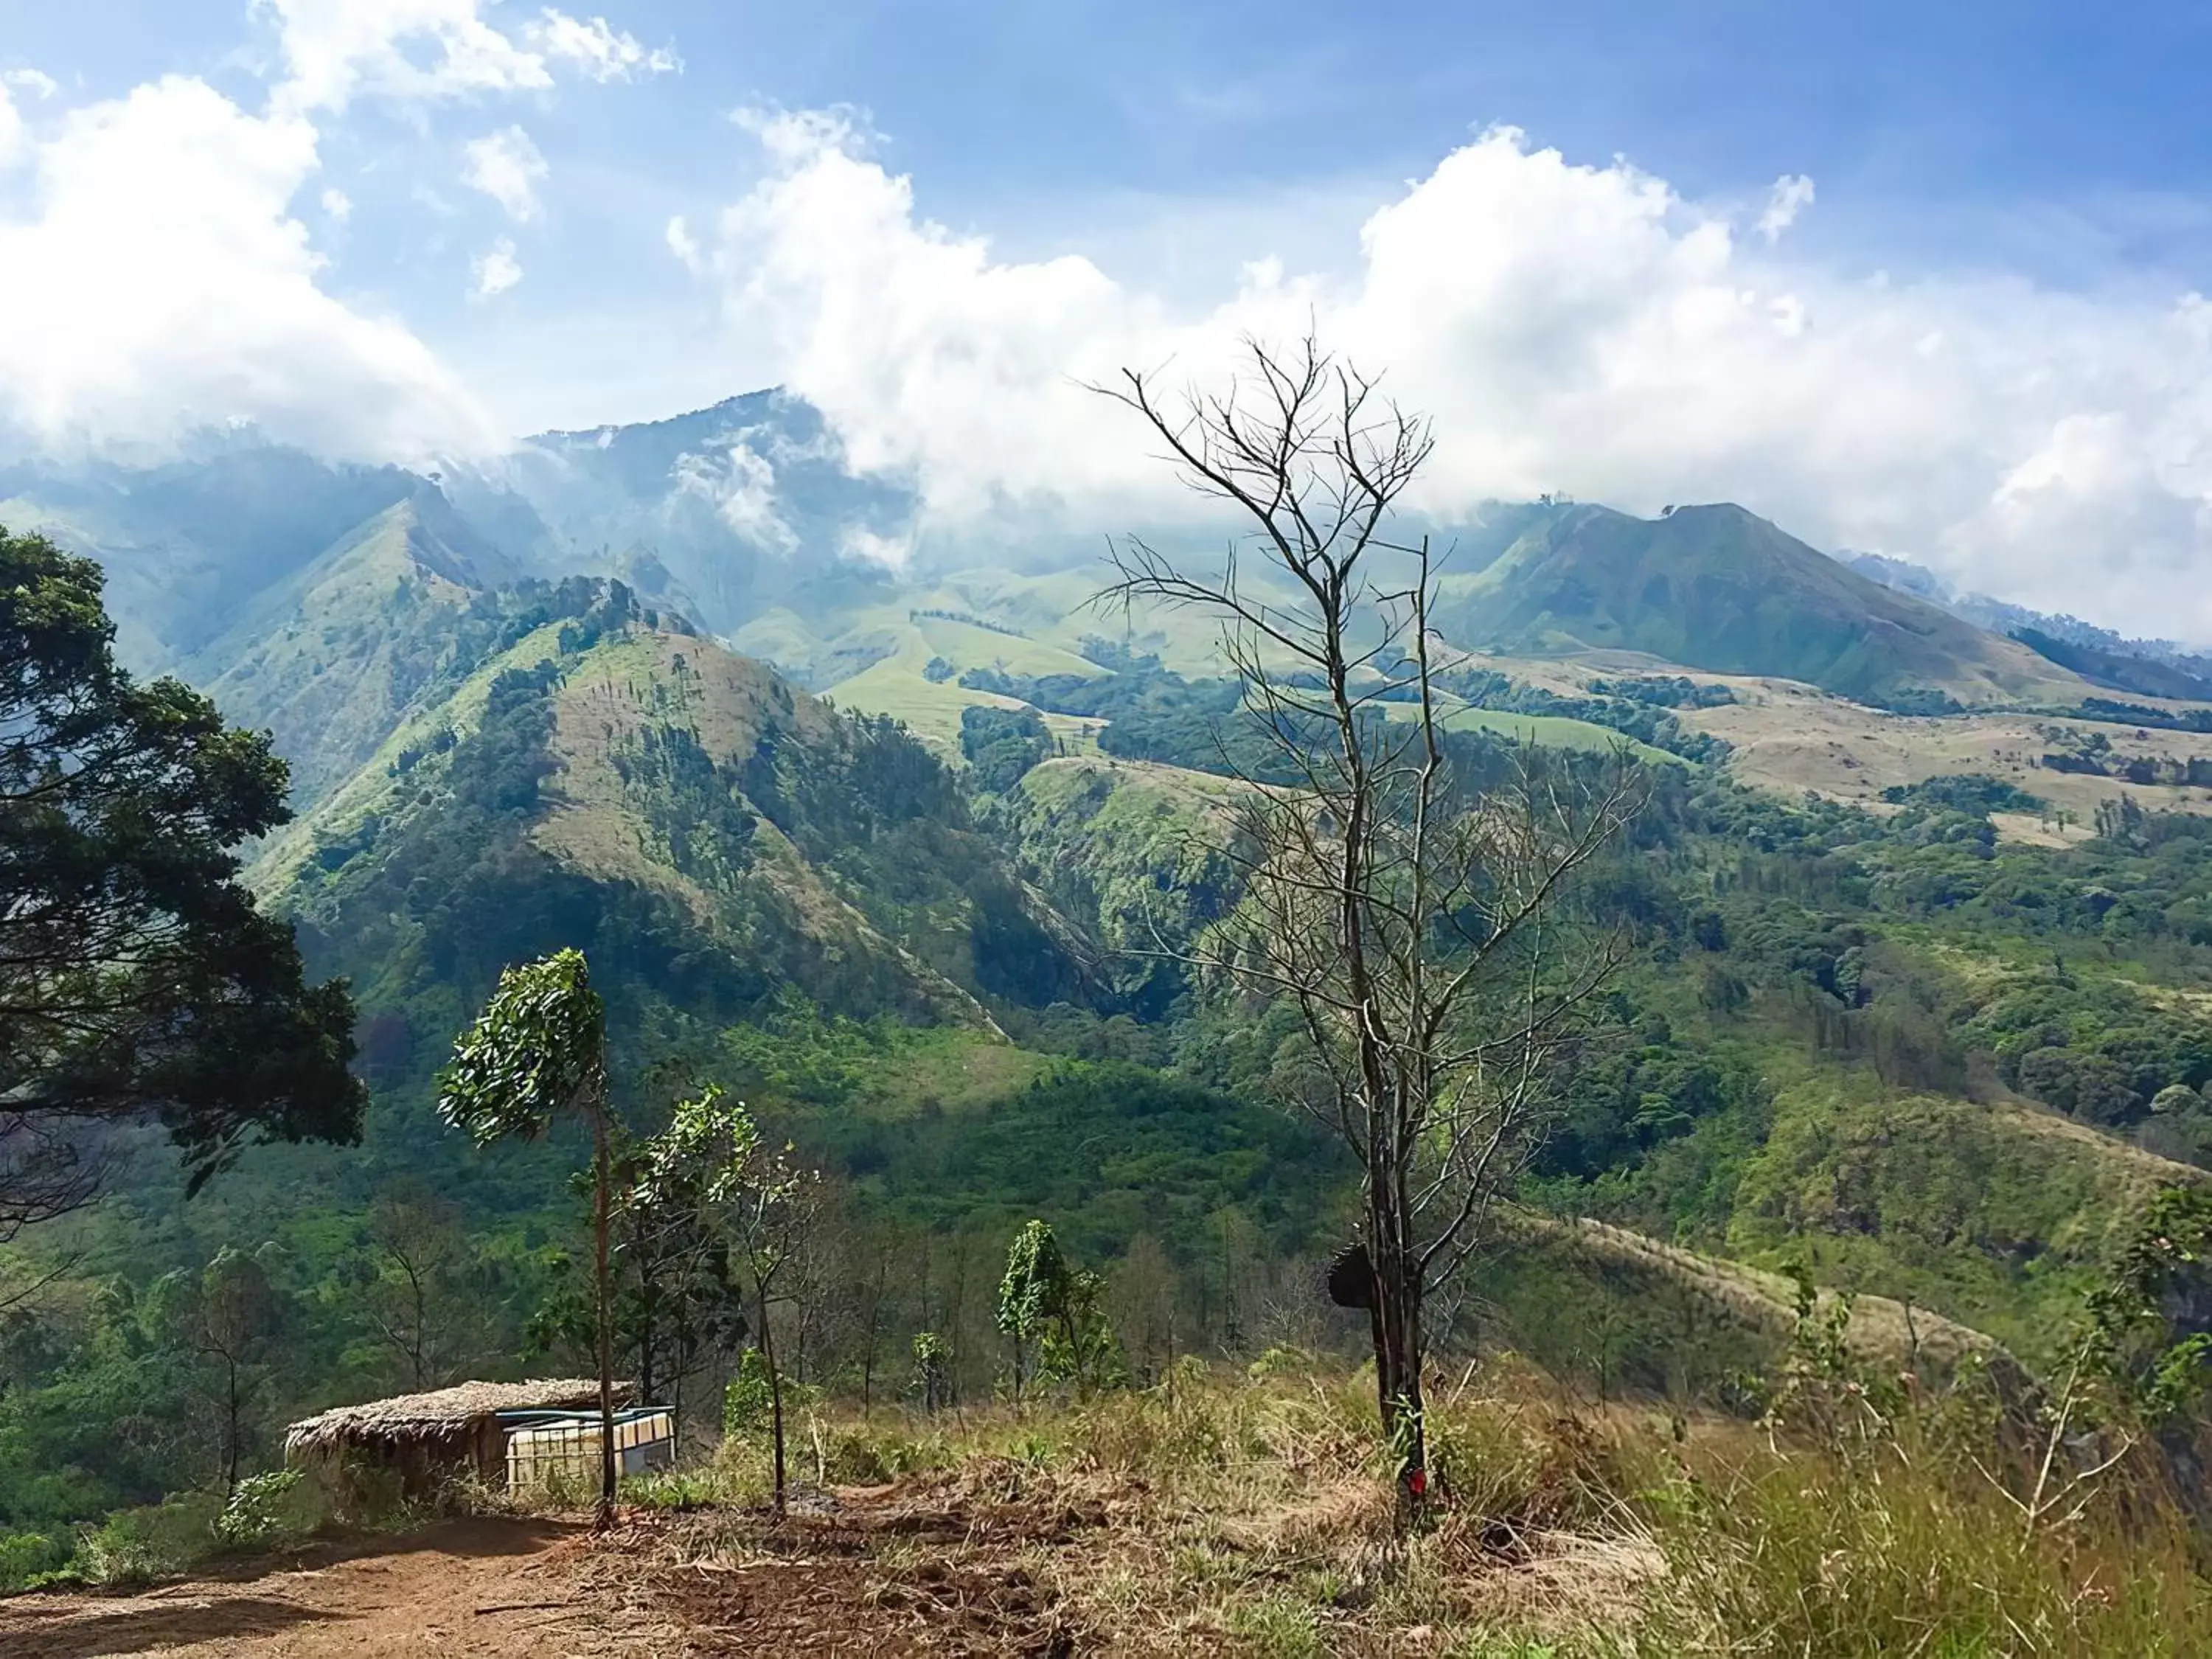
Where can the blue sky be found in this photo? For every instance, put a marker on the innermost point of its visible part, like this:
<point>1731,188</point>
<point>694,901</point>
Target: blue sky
<point>1917,277</point>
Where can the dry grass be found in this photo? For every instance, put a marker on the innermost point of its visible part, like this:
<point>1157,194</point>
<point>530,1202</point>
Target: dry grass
<point>1789,738</point>
<point>1235,1515</point>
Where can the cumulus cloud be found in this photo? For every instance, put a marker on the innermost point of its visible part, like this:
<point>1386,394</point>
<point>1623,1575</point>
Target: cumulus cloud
<point>157,276</point>
<point>1569,327</point>
<point>682,244</point>
<point>596,49</point>
<point>1791,195</point>
<point>494,271</point>
<point>505,165</point>
<point>158,281</point>
<point>334,50</point>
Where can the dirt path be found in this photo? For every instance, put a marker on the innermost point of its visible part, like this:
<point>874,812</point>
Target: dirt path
<point>465,1588</point>
<point>869,1572</point>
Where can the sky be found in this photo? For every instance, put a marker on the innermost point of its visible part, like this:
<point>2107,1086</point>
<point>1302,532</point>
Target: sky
<point>1924,279</point>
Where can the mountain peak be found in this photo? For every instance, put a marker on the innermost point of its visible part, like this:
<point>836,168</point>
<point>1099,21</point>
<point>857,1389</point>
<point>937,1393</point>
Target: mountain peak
<point>1714,585</point>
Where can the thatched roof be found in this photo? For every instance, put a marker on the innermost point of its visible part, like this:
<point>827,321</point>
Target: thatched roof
<point>440,1412</point>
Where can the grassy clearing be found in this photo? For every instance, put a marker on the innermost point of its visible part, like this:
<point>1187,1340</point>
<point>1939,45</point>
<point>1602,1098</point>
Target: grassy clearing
<point>1552,731</point>
<point>1221,1513</point>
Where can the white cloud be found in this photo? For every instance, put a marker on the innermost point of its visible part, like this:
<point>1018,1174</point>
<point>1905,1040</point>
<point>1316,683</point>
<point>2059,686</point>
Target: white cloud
<point>401,49</point>
<point>158,279</point>
<point>739,482</point>
<point>598,51</point>
<point>495,270</point>
<point>14,140</point>
<point>683,245</point>
<point>505,165</point>
<point>1571,327</point>
<point>892,552</point>
<point>157,282</point>
<point>1791,195</point>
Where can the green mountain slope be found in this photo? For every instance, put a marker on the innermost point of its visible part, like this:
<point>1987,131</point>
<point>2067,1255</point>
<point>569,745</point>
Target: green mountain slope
<point>1718,588</point>
<point>330,658</point>
<point>708,835</point>
<point>191,544</point>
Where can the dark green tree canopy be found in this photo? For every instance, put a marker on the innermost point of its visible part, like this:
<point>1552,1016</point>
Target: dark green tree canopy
<point>137,980</point>
<point>535,1052</point>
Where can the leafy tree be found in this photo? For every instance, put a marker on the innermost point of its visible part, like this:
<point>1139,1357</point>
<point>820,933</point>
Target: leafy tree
<point>1002,744</point>
<point>537,1053</point>
<point>1035,1276</point>
<point>1050,1311</point>
<point>768,1207</point>
<point>137,980</point>
<point>932,1366</point>
<point>680,1300</point>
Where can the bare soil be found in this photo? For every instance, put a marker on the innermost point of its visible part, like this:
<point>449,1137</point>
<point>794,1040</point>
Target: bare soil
<point>857,1571</point>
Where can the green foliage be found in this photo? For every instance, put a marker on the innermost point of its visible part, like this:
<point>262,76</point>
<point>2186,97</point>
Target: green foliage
<point>27,1559</point>
<point>1050,1312</point>
<point>1002,743</point>
<point>260,1511</point>
<point>153,1540</point>
<point>141,983</point>
<point>535,1053</point>
<point>745,1399</point>
<point>1972,793</point>
<point>1644,712</point>
<point>933,1358</point>
<point>2149,1311</point>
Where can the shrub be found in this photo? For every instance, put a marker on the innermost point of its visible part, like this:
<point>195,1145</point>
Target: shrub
<point>153,1541</point>
<point>747,1401</point>
<point>28,1557</point>
<point>265,1508</point>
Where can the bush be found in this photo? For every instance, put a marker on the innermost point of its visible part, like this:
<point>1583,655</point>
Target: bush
<point>28,1557</point>
<point>747,1401</point>
<point>154,1542</point>
<point>265,1509</point>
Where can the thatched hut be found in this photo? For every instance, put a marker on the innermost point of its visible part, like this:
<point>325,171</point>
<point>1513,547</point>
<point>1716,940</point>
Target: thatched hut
<point>429,1438</point>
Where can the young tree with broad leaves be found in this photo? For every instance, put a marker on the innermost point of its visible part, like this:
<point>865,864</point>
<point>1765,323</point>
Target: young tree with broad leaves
<point>538,1053</point>
<point>138,982</point>
<point>767,1206</point>
<point>1048,1309</point>
<point>1408,903</point>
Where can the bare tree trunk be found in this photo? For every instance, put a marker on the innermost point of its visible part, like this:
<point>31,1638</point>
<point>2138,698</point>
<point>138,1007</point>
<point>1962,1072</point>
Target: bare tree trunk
<point>1394,1316</point>
<point>647,1289</point>
<point>235,1410</point>
<point>774,1395</point>
<point>601,1158</point>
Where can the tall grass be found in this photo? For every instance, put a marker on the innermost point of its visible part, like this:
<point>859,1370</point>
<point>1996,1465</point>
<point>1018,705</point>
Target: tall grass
<point>1254,1515</point>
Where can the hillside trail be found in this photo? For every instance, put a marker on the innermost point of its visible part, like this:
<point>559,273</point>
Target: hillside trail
<point>877,1571</point>
<point>484,1586</point>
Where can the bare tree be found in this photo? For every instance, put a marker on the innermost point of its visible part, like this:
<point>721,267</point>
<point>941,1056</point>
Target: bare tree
<point>1409,906</point>
<point>228,1317</point>
<point>417,1299</point>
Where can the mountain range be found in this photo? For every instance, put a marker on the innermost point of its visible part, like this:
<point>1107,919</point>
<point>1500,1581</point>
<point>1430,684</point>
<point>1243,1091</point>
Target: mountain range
<point>321,600</point>
<point>894,846</point>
